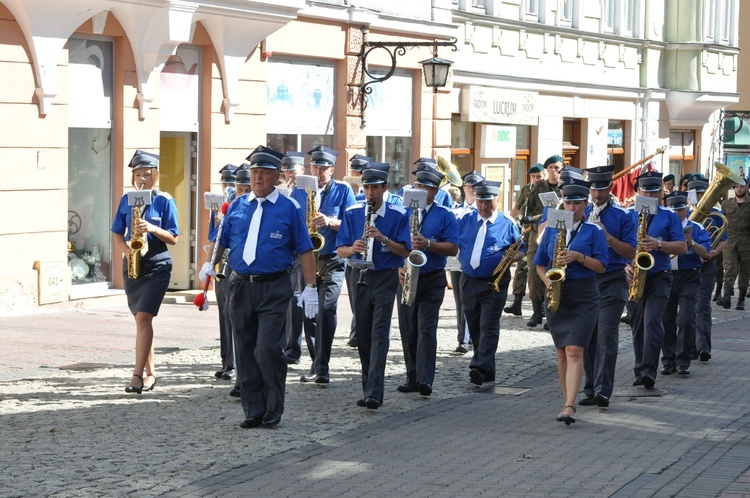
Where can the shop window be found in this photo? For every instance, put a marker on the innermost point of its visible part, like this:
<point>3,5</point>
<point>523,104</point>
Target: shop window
<point>615,141</point>
<point>462,144</point>
<point>90,85</point>
<point>520,162</point>
<point>300,100</point>
<point>681,147</point>
<point>571,141</point>
<point>389,126</point>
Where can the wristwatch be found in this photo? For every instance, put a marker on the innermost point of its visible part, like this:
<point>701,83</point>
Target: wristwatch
<point>386,241</point>
<point>313,285</point>
<point>429,243</point>
<point>658,248</point>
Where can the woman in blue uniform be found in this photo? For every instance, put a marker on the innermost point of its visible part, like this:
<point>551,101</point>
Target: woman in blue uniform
<point>145,293</point>
<point>585,255</point>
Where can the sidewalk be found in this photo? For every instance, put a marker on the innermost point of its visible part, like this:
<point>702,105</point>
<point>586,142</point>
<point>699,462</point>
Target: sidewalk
<point>72,431</point>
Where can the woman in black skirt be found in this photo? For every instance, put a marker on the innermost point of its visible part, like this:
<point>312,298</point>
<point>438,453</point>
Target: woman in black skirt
<point>584,256</point>
<point>145,293</point>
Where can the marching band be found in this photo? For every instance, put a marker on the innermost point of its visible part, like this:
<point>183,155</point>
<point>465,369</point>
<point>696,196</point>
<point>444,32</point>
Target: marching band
<point>290,254</point>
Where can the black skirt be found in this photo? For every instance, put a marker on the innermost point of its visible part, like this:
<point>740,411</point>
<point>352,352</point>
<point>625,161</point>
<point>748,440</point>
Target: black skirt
<point>146,292</point>
<point>575,319</point>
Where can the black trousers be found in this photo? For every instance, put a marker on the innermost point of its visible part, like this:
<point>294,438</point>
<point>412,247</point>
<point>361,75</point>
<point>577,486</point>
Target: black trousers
<point>484,307</point>
<point>703,315</point>
<point>330,279</point>
<point>463,332</point>
<point>226,344</point>
<point>374,309</point>
<point>600,357</point>
<point>418,325</point>
<point>646,323</point>
<point>351,277</point>
<point>258,312</point>
<point>679,318</point>
<point>294,319</point>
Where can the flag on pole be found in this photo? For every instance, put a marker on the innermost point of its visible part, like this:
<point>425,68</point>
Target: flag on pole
<point>622,188</point>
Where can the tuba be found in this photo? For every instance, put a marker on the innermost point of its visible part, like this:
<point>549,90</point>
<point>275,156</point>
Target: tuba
<point>450,171</point>
<point>702,213</point>
<point>504,264</point>
<point>413,263</point>
<point>556,274</point>
<point>138,242</point>
<point>369,211</point>
<point>642,262</point>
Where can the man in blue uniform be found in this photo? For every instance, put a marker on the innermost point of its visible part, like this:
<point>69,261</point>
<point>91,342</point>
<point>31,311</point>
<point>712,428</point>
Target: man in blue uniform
<point>470,180</point>
<point>664,238</point>
<point>600,357</point>
<point>291,164</point>
<point>332,199</point>
<point>384,242</point>
<point>263,230</point>
<point>437,237</point>
<point>679,315</point>
<point>484,236</point>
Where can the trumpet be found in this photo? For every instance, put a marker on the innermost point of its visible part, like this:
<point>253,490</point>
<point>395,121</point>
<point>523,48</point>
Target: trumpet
<point>413,263</point>
<point>556,274</point>
<point>642,262</point>
<point>369,211</point>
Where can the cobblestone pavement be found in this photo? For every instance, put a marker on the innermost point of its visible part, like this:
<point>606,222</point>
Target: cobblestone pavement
<point>68,429</point>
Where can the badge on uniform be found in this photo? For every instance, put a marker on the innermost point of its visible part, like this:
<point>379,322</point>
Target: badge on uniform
<point>560,219</point>
<point>139,198</point>
<point>213,201</point>
<point>549,199</point>
<point>646,205</point>
<point>414,198</point>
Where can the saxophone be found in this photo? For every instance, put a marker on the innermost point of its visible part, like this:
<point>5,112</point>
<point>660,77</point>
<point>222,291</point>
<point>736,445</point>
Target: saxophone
<point>504,264</point>
<point>642,262</point>
<point>318,241</point>
<point>556,274</point>
<point>413,263</point>
<point>369,211</point>
<point>138,243</point>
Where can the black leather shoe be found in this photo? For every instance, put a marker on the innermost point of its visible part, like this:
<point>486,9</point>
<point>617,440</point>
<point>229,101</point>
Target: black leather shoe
<point>546,326</point>
<point>683,370</point>
<point>648,381</point>
<point>228,374</point>
<point>462,348</point>
<point>323,379</point>
<point>149,387</point>
<point>704,355</point>
<point>361,402</point>
<point>476,376</point>
<point>271,418</point>
<point>219,373</point>
<point>587,401</point>
<point>131,389</point>
<point>251,422</point>
<point>625,319</point>
<point>536,319</point>
<point>309,377</point>
<point>235,393</point>
<point>424,388</point>
<point>601,400</point>
<point>292,361</point>
<point>637,382</point>
<point>352,343</point>
<point>372,403</point>
<point>668,370</point>
<point>407,388</point>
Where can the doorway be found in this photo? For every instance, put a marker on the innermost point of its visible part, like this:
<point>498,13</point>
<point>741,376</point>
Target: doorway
<point>176,166</point>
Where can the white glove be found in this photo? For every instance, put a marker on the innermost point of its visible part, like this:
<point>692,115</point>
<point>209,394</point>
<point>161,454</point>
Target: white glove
<point>309,301</point>
<point>204,306</point>
<point>207,270</point>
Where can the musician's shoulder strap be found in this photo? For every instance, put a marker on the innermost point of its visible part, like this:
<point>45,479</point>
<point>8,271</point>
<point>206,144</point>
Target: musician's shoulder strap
<point>397,208</point>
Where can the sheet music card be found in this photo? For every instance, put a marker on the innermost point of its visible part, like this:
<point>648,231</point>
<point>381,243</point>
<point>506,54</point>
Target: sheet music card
<point>307,182</point>
<point>559,218</point>
<point>692,197</point>
<point>139,198</point>
<point>548,199</point>
<point>414,198</point>
<point>213,201</point>
<point>649,205</point>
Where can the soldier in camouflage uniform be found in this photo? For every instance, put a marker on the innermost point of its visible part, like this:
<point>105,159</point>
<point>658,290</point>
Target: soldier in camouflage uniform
<point>737,250</point>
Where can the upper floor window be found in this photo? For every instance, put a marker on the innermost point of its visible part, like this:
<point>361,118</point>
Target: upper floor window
<point>719,19</point>
<point>531,8</point>
<point>621,17</point>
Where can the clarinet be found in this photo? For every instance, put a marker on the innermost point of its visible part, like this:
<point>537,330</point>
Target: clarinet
<point>368,221</point>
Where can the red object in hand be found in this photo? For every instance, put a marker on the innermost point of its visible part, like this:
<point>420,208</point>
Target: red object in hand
<point>224,208</point>
<point>201,300</point>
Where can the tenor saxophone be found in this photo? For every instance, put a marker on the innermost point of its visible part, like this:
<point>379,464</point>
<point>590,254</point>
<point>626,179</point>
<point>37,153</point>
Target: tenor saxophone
<point>556,274</point>
<point>642,262</point>
<point>413,263</point>
<point>138,243</point>
<point>504,264</point>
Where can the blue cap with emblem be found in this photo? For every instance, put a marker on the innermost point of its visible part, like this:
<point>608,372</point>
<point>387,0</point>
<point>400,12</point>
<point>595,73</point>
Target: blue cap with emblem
<point>698,184</point>
<point>323,156</point>
<point>143,159</point>
<point>243,175</point>
<point>487,190</point>
<point>291,160</point>
<point>265,157</point>
<point>650,181</point>
<point>575,189</point>
<point>424,162</point>
<point>429,177</point>
<point>677,200</point>
<point>571,172</point>
<point>375,173</point>
<point>357,162</point>
<point>227,173</point>
<point>600,176</point>
<point>472,178</point>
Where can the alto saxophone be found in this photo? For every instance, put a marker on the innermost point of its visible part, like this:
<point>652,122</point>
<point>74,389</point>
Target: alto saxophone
<point>504,264</point>
<point>413,263</point>
<point>318,241</point>
<point>642,262</point>
<point>556,274</point>
<point>369,211</point>
<point>138,243</point>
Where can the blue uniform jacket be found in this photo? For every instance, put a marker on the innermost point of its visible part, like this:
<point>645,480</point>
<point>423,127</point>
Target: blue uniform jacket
<point>333,204</point>
<point>618,224</point>
<point>690,260</point>
<point>162,212</point>
<point>394,224</point>
<point>664,225</point>
<point>502,231</point>
<point>439,225</point>
<point>589,240</point>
